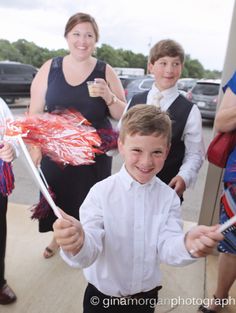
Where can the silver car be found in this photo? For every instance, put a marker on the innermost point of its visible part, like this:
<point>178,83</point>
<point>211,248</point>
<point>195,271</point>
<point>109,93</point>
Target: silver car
<point>139,84</point>
<point>205,95</point>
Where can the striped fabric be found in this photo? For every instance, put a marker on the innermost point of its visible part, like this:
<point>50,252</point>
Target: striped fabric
<point>227,210</point>
<point>6,178</point>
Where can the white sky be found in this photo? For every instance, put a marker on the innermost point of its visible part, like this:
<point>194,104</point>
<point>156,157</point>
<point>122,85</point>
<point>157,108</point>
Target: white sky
<point>201,26</point>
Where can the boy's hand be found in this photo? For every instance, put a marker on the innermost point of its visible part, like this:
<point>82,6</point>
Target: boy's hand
<point>201,240</point>
<point>7,153</point>
<point>178,184</point>
<point>68,233</point>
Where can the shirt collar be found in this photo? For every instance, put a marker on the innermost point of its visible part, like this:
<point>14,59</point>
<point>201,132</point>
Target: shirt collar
<point>166,92</point>
<point>129,182</point>
<point>169,96</point>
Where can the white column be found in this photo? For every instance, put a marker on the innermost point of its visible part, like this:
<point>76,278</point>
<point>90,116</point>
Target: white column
<point>213,185</point>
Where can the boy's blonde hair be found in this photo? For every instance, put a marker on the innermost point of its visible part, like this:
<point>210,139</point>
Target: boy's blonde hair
<point>166,47</point>
<point>145,120</point>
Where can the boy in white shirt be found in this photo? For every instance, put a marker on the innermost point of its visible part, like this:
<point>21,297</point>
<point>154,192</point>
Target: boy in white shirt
<point>187,153</point>
<point>130,222</point>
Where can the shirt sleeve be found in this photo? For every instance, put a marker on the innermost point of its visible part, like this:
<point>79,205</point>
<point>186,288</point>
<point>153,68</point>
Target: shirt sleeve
<point>125,110</point>
<point>6,114</point>
<point>91,218</point>
<point>194,148</point>
<point>171,246</point>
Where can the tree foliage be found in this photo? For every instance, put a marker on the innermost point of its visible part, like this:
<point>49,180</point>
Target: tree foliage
<point>28,52</point>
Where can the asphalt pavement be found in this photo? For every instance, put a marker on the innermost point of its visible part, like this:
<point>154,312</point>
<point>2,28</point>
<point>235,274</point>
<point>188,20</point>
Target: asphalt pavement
<point>26,190</point>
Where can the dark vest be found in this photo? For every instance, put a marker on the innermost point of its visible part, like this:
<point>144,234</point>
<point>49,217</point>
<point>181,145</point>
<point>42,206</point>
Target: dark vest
<point>178,111</point>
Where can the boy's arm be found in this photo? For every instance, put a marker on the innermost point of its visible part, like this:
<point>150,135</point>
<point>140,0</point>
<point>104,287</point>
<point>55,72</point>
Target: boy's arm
<point>194,148</point>
<point>81,242</point>
<point>173,246</point>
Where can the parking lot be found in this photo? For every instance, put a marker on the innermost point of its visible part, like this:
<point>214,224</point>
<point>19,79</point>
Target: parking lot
<point>26,191</point>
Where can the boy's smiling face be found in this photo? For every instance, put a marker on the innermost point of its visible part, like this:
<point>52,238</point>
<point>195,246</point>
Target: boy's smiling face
<point>167,71</point>
<point>144,156</point>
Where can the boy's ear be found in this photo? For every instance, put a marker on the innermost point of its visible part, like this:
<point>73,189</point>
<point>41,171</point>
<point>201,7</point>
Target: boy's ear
<point>120,146</point>
<point>168,150</point>
<point>149,68</point>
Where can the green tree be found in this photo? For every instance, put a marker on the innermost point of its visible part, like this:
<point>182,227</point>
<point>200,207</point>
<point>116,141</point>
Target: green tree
<point>9,52</point>
<point>111,56</point>
<point>28,52</point>
<point>192,68</point>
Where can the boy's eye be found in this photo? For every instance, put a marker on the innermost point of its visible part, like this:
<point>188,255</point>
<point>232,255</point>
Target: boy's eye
<point>176,64</point>
<point>158,152</point>
<point>136,150</point>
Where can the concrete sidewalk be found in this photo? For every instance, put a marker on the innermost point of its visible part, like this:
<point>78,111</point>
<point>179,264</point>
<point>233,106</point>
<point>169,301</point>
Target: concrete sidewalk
<point>50,286</point>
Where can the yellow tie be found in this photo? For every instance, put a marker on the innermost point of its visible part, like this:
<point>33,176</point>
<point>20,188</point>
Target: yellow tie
<point>157,98</point>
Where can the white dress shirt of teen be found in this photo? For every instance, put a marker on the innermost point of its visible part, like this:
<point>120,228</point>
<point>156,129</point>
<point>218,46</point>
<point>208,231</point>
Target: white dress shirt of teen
<point>192,135</point>
<point>129,229</point>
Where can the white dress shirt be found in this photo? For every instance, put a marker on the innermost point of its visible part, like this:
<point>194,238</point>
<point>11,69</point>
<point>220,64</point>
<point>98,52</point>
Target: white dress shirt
<point>129,229</point>
<point>192,134</point>
<point>5,114</point>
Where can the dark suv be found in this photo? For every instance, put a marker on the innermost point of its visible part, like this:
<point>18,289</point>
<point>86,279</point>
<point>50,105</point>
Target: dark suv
<point>15,80</point>
<point>205,95</point>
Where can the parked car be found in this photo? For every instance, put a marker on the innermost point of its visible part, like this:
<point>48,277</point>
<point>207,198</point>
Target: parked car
<point>137,85</point>
<point>15,80</point>
<point>205,95</point>
<point>186,84</point>
<point>125,80</point>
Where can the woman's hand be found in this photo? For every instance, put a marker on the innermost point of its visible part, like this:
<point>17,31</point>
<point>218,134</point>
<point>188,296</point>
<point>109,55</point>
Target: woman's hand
<point>101,89</point>
<point>36,155</point>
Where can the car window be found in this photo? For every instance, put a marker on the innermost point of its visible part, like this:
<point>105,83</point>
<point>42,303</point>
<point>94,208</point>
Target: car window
<point>125,81</point>
<point>206,89</point>
<point>147,84</point>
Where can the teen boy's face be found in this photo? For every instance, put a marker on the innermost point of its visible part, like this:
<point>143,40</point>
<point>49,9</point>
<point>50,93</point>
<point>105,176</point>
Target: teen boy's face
<point>144,156</point>
<point>167,71</point>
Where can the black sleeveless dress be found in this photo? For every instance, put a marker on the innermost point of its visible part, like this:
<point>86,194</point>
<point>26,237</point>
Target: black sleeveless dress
<point>72,183</point>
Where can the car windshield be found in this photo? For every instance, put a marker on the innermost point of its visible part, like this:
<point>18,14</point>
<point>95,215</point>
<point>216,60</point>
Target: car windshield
<point>125,81</point>
<point>206,89</point>
<point>147,84</point>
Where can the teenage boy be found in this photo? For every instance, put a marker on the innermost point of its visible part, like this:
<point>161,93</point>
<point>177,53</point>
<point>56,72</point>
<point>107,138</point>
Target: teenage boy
<point>186,156</point>
<point>130,222</point>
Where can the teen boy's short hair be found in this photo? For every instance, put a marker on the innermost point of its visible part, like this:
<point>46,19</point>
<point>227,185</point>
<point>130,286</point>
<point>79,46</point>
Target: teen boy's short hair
<point>145,120</point>
<point>166,47</point>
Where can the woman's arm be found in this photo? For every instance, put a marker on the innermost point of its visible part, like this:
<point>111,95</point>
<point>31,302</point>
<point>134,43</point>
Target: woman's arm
<point>116,95</point>
<point>225,119</point>
<point>37,103</point>
<point>38,89</point>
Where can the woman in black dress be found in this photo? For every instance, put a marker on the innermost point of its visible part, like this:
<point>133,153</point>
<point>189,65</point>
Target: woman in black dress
<point>61,83</point>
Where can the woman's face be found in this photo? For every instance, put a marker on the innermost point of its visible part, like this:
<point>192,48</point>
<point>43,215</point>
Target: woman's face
<point>81,41</point>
